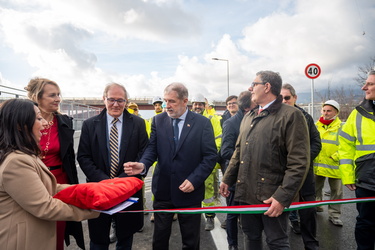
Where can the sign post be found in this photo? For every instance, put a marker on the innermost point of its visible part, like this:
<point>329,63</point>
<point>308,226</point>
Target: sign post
<point>312,71</point>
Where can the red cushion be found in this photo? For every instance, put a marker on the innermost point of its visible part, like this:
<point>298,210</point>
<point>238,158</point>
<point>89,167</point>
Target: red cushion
<point>100,195</point>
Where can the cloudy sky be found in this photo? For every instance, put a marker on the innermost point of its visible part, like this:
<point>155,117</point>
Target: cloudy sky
<point>147,44</point>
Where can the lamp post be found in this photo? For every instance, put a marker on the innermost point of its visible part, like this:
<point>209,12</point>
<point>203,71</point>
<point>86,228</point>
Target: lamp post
<point>220,59</point>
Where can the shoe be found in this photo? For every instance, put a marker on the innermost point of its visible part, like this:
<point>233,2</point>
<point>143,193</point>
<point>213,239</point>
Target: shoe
<point>295,227</point>
<point>174,217</point>
<point>140,230</point>
<point>210,224</point>
<point>112,237</point>
<point>234,247</point>
<point>224,225</point>
<point>152,218</point>
<point>336,222</point>
<point>319,209</point>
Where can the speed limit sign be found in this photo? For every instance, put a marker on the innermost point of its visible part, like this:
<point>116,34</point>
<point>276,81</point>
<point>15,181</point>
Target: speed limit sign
<point>312,71</point>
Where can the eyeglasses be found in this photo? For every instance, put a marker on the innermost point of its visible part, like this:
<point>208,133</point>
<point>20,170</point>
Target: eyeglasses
<point>232,103</point>
<point>287,97</point>
<point>113,100</point>
<point>253,84</point>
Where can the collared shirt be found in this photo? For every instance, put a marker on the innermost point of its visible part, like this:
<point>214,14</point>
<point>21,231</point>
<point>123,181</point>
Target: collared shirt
<point>267,105</point>
<point>118,125</point>
<point>182,122</point>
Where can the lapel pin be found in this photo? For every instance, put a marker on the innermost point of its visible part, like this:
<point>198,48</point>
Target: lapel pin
<point>188,125</point>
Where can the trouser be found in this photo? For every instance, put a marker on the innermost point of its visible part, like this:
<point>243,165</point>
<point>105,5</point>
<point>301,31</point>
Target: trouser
<point>334,211</point>
<point>232,227</point>
<point>308,224</point>
<point>365,226</point>
<point>189,227</point>
<point>210,192</point>
<point>99,233</point>
<point>275,229</point>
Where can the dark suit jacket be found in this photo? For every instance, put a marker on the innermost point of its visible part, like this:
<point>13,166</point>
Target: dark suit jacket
<point>93,155</point>
<point>66,138</point>
<point>194,158</point>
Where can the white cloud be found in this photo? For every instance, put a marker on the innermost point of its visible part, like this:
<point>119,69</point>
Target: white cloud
<point>147,44</point>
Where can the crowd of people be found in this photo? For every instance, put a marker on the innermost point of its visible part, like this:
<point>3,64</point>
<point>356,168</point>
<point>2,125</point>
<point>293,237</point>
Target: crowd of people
<point>270,151</point>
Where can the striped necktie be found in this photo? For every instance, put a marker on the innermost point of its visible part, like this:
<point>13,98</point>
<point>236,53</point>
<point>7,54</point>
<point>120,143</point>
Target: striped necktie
<point>113,148</point>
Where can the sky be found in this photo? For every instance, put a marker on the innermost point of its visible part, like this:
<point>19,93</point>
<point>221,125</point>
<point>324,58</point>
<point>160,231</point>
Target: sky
<point>147,44</point>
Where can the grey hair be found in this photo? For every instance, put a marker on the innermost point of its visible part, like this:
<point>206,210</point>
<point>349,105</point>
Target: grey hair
<point>181,90</point>
<point>272,78</point>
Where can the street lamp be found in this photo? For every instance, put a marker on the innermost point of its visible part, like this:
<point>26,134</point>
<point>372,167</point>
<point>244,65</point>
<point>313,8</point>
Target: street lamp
<point>219,59</point>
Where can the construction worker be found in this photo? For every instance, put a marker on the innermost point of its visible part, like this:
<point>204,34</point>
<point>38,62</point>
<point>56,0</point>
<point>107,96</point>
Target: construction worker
<point>326,164</point>
<point>157,101</point>
<point>357,161</point>
<point>211,183</point>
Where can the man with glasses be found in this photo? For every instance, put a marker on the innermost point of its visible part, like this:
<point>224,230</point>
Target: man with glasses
<point>357,162</point>
<point>107,141</point>
<point>232,108</point>
<point>269,164</point>
<point>184,145</point>
<point>307,227</point>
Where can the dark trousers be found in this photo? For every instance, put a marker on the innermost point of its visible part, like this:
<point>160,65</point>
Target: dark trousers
<point>365,226</point>
<point>308,224</point>
<point>99,232</point>
<point>189,227</point>
<point>232,227</point>
<point>275,229</point>
<point>307,218</point>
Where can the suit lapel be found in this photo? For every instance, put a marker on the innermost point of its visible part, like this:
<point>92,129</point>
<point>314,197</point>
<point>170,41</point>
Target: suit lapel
<point>169,125</point>
<point>101,133</point>
<point>64,132</point>
<point>127,127</point>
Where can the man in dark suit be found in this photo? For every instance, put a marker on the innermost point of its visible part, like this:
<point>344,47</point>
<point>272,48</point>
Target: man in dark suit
<point>97,160</point>
<point>184,145</point>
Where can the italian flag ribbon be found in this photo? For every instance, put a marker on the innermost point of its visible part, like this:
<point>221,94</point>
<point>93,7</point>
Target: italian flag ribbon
<point>254,209</point>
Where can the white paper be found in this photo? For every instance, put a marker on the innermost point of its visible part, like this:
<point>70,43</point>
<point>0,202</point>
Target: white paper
<point>120,206</point>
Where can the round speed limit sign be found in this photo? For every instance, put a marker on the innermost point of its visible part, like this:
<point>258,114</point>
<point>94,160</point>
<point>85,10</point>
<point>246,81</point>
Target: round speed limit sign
<point>312,71</point>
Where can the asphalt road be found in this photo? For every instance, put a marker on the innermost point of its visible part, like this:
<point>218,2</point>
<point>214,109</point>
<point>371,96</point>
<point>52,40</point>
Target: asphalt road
<point>330,237</point>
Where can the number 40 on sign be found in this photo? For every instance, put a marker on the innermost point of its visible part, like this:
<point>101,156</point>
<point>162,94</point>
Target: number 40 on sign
<point>312,71</point>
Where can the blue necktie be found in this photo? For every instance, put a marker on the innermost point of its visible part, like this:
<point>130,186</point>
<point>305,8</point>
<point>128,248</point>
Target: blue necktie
<point>176,131</point>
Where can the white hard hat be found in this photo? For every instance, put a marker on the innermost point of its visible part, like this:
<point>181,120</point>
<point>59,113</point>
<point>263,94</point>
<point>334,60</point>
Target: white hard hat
<point>332,103</point>
<point>157,99</point>
<point>198,98</point>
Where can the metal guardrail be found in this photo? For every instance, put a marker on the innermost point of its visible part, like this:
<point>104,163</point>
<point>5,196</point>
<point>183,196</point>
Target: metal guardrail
<point>78,111</point>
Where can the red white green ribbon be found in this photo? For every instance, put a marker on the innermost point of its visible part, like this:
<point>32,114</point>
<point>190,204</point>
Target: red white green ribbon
<point>254,209</point>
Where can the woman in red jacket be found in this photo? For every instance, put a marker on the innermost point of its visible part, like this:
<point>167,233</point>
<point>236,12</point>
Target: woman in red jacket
<point>57,147</point>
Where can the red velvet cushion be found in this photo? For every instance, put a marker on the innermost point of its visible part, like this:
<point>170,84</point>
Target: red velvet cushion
<point>100,195</point>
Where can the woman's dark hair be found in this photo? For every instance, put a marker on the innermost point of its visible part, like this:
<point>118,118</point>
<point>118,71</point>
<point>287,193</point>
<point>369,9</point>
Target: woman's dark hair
<point>17,118</point>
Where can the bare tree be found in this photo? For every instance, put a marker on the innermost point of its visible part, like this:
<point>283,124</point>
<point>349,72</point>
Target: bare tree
<point>363,71</point>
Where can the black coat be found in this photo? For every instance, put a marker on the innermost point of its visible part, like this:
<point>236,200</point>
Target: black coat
<point>308,187</point>
<point>93,155</point>
<point>66,138</point>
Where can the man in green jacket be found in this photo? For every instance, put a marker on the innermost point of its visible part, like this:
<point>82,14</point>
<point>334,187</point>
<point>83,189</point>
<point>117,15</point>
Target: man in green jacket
<point>269,164</point>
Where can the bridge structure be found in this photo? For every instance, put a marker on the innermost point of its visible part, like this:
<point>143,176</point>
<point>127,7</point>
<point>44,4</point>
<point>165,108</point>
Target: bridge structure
<point>81,108</point>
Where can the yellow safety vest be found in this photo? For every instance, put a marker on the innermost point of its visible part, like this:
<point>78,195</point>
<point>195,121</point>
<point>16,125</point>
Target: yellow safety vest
<point>327,162</point>
<point>357,139</point>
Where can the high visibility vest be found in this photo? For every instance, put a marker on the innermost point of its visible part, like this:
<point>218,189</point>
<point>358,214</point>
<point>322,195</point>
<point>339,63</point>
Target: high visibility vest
<point>327,162</point>
<point>357,138</point>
